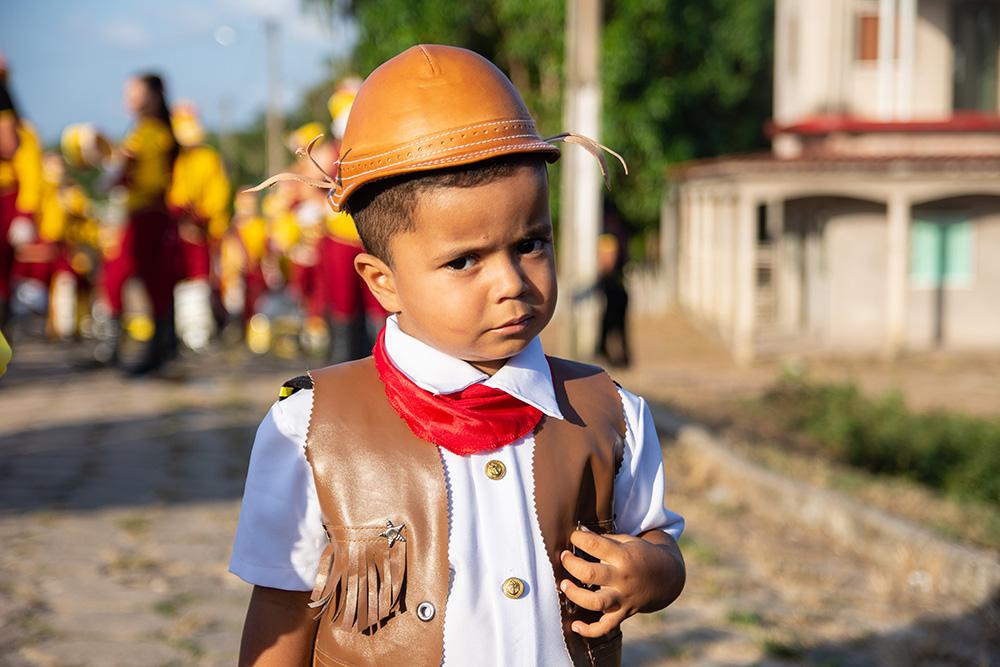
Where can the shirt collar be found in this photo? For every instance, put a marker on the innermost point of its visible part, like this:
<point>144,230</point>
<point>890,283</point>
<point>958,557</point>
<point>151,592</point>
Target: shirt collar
<point>526,376</point>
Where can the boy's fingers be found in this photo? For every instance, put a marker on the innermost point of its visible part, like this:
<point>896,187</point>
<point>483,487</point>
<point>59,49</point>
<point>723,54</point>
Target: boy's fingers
<point>599,600</point>
<point>585,571</point>
<point>594,544</point>
<point>603,626</point>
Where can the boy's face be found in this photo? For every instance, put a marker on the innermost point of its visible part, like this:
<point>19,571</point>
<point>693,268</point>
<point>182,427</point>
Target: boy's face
<point>476,277</point>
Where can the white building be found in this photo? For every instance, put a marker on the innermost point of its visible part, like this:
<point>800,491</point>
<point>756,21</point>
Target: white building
<point>873,225</point>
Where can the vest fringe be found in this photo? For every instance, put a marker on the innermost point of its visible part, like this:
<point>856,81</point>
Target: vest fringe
<point>361,578</point>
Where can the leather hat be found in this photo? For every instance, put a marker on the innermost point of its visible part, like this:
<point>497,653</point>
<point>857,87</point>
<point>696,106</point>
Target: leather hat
<point>431,107</point>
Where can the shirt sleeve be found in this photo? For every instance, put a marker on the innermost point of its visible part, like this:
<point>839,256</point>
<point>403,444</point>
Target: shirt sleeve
<point>280,535</point>
<point>640,485</point>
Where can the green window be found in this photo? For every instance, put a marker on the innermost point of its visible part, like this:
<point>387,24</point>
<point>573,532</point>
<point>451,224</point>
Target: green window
<point>940,253</point>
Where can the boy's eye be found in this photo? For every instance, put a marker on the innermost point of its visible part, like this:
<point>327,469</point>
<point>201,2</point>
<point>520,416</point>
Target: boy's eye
<point>461,263</point>
<point>529,246</point>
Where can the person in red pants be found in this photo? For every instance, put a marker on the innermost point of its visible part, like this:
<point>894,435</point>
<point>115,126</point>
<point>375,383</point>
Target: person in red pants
<point>22,258</point>
<point>8,188</point>
<point>149,245</point>
<point>243,250</point>
<point>354,314</point>
<point>199,199</point>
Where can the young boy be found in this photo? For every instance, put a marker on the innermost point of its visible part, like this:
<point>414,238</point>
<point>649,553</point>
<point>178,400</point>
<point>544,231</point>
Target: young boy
<point>459,498</point>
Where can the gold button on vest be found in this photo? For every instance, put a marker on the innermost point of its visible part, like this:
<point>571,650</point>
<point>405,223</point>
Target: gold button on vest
<point>495,469</point>
<point>513,588</point>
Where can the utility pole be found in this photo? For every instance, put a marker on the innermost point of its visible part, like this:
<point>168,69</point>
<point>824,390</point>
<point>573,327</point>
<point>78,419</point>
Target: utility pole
<point>227,143</point>
<point>274,146</point>
<point>580,199</point>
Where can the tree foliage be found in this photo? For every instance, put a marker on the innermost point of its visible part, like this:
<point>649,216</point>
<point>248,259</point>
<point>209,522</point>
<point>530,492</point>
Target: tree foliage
<point>681,79</point>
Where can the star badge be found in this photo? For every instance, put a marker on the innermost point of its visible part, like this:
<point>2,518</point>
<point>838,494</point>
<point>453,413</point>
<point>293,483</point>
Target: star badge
<point>393,533</point>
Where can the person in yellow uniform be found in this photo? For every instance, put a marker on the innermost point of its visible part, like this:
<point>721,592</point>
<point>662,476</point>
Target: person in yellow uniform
<point>354,314</point>
<point>66,224</point>
<point>199,200</point>
<point>8,188</point>
<point>33,255</point>
<point>243,250</point>
<point>5,354</point>
<point>308,210</point>
<point>20,184</point>
<point>149,244</point>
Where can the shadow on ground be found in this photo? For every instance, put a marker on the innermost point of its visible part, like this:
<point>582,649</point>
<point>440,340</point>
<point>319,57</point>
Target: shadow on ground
<point>186,455</point>
<point>971,639</point>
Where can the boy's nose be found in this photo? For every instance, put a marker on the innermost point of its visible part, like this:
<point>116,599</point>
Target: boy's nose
<point>509,280</point>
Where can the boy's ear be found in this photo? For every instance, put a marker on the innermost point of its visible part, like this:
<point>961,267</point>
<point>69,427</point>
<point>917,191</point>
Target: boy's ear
<point>380,280</point>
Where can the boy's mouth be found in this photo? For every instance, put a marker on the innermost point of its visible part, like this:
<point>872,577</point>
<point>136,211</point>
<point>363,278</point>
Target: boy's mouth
<point>515,324</point>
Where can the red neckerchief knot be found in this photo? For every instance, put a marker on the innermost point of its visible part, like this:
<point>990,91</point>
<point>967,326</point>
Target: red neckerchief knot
<point>476,419</point>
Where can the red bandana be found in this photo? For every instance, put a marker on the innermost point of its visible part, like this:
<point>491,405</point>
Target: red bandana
<point>476,419</point>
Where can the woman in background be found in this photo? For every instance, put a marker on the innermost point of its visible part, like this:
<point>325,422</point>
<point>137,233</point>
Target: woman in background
<point>149,244</point>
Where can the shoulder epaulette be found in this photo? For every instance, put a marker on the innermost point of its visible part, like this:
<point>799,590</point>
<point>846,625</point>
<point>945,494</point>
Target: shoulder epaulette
<point>293,385</point>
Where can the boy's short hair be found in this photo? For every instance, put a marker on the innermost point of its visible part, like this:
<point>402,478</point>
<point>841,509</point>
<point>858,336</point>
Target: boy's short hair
<point>384,208</point>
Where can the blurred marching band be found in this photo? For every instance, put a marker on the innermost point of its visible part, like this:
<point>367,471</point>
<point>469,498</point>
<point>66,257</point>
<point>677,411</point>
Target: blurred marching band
<point>159,255</point>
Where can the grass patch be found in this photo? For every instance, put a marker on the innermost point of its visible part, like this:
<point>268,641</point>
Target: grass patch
<point>135,525</point>
<point>131,562</point>
<point>953,453</point>
<point>779,649</point>
<point>745,617</point>
<point>698,551</point>
<point>173,605</point>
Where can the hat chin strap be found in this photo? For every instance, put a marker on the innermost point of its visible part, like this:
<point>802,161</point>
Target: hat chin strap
<point>594,148</point>
<point>329,183</point>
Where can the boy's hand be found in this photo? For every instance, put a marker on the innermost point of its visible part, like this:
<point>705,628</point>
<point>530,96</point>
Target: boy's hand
<point>636,574</point>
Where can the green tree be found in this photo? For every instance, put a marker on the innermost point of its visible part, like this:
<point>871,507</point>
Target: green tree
<point>681,79</point>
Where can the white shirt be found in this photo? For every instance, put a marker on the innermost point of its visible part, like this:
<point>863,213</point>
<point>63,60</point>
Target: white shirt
<point>494,529</point>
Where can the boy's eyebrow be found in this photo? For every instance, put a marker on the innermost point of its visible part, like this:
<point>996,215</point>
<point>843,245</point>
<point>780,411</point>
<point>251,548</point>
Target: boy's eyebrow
<point>534,230</point>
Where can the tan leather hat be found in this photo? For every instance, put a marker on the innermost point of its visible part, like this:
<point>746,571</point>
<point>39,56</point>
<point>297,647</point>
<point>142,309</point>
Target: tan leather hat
<point>433,107</point>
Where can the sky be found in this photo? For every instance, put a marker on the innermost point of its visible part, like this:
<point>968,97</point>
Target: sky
<point>68,60</point>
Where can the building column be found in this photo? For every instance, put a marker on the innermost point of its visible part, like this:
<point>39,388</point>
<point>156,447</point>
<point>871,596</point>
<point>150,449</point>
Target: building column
<point>907,54</point>
<point>746,278</point>
<point>687,245</point>
<point>683,234</point>
<point>718,220</point>
<point>898,231</point>
<point>726,258</point>
<point>694,248</point>
<point>886,57</point>
<point>711,257</point>
<point>775,220</point>
<point>669,252</point>
<point>704,220</point>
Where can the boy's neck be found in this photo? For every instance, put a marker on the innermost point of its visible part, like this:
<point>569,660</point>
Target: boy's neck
<point>489,366</point>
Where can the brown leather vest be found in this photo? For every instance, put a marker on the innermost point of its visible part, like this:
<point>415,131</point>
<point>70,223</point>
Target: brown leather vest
<point>370,469</point>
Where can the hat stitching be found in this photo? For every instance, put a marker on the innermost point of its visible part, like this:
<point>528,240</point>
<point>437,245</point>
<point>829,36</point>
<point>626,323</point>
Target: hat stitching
<point>431,137</point>
<point>430,63</point>
<point>385,164</point>
<point>338,197</point>
<point>444,150</point>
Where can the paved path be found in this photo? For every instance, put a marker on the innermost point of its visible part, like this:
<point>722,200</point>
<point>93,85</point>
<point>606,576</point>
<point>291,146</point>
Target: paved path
<point>118,501</point>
